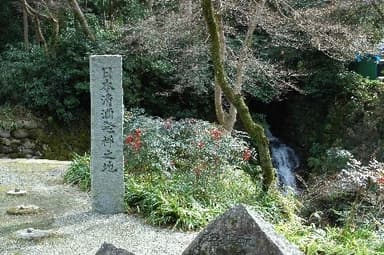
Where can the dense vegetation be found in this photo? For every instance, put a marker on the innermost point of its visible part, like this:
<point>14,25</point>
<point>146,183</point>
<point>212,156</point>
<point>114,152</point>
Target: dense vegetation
<point>290,61</point>
<point>185,173</point>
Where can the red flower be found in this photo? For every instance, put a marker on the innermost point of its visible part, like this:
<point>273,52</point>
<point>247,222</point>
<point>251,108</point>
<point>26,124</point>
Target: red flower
<point>200,145</point>
<point>138,132</point>
<point>168,123</point>
<point>129,139</point>
<point>381,180</point>
<point>216,134</point>
<point>137,145</point>
<point>134,140</point>
<point>247,153</point>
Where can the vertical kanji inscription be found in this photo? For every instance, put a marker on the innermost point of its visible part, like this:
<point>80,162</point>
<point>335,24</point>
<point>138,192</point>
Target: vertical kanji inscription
<point>107,175</point>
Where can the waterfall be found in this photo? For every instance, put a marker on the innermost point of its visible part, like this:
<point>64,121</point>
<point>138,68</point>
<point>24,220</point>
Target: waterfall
<point>285,160</point>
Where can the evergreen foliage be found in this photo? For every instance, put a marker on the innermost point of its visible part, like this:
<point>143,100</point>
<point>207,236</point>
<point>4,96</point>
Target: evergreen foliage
<point>300,58</point>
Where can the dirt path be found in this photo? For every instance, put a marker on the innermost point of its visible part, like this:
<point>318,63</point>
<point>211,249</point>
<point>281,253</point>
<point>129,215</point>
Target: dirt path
<point>67,212</point>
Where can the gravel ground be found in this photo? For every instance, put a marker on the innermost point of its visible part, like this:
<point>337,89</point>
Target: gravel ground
<point>67,212</point>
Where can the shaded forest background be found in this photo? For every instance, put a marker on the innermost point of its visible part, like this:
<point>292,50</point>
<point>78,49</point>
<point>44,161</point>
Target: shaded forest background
<point>296,75</point>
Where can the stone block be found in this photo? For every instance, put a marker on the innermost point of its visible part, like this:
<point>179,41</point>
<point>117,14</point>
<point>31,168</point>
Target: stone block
<point>32,234</point>
<point>29,124</point>
<point>107,162</point>
<point>5,133</point>
<point>110,249</point>
<point>20,133</point>
<point>5,141</point>
<point>240,231</point>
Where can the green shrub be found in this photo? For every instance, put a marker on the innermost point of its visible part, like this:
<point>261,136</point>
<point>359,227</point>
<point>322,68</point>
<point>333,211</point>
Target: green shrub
<point>332,240</point>
<point>167,183</point>
<point>57,86</point>
<point>184,172</point>
<point>187,145</point>
<point>184,202</point>
<point>332,161</point>
<point>78,172</point>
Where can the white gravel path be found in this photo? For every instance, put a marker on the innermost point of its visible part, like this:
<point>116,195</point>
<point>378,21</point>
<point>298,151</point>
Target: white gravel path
<point>67,212</point>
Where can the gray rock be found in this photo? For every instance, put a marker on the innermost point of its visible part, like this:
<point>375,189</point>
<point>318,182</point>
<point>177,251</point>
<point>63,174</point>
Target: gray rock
<point>17,192</point>
<point>240,231</point>
<point>29,124</point>
<point>107,169</point>
<point>23,210</point>
<point>28,144</point>
<point>6,149</point>
<point>32,234</point>
<point>36,133</point>
<point>20,133</point>
<point>15,142</point>
<point>5,133</point>
<point>5,141</point>
<point>110,249</point>
<point>16,155</point>
<point>38,154</point>
<point>25,151</point>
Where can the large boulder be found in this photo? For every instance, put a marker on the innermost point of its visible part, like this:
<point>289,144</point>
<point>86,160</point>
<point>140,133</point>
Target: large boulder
<point>29,124</point>
<point>20,133</point>
<point>110,249</point>
<point>5,141</point>
<point>240,231</point>
<point>5,133</point>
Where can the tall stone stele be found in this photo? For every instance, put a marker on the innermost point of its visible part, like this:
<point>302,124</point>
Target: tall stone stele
<point>107,169</point>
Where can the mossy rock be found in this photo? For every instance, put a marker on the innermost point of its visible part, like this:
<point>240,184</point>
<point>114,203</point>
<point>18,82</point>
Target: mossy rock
<point>24,210</point>
<point>36,133</point>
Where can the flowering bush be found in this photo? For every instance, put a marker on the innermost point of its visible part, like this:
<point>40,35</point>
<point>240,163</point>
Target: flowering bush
<point>185,172</point>
<point>188,145</point>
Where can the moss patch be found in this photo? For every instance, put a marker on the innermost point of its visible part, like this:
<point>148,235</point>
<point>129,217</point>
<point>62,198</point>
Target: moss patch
<point>10,116</point>
<point>63,142</point>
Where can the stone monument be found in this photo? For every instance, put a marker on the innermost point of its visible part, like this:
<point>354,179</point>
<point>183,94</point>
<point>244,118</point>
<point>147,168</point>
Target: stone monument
<point>240,231</point>
<point>107,169</point>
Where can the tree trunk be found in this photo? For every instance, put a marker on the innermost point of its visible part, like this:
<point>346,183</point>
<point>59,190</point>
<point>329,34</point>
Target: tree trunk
<point>150,4</point>
<point>226,118</point>
<point>39,33</point>
<point>255,131</point>
<point>40,36</point>
<point>81,18</point>
<point>53,18</point>
<point>25,26</point>
<point>111,16</point>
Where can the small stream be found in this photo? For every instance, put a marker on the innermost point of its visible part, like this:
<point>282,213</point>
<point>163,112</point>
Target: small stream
<point>285,160</point>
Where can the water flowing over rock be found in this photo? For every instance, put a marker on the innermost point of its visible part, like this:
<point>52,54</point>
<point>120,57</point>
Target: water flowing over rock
<point>240,231</point>
<point>285,160</point>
